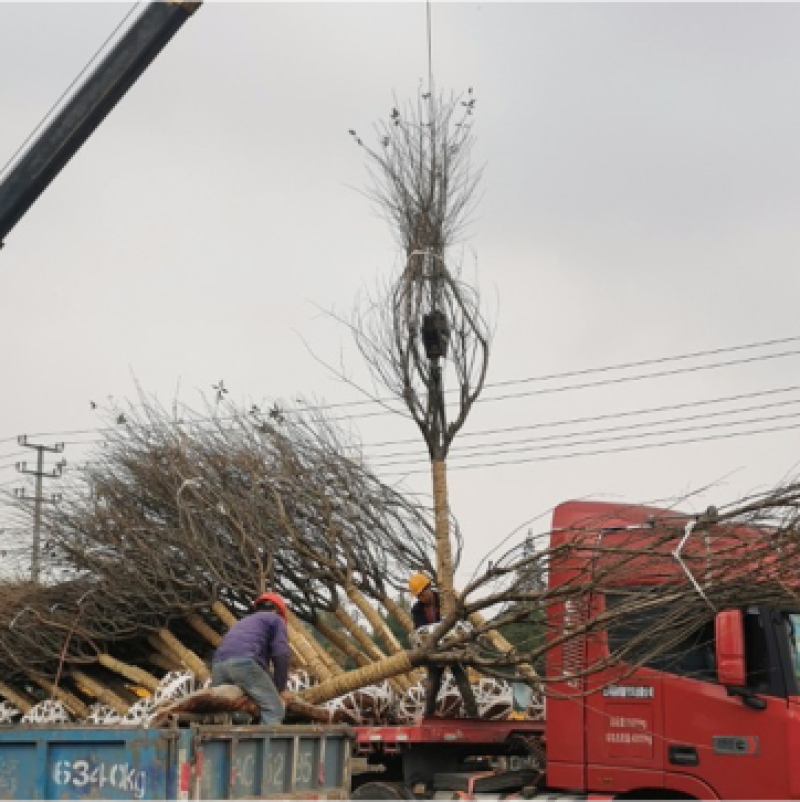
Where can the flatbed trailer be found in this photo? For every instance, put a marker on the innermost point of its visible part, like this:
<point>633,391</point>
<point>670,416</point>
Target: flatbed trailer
<point>461,757</point>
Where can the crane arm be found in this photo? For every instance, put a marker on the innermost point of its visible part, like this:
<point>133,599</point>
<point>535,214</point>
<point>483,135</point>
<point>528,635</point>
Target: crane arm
<point>87,108</point>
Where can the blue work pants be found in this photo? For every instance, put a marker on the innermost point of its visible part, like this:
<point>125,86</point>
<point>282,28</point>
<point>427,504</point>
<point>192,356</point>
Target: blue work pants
<point>255,682</point>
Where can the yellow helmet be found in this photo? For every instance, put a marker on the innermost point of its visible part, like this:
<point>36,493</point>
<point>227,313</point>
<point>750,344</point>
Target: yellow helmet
<point>417,583</point>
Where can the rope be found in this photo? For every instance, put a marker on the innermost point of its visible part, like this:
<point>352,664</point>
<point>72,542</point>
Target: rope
<point>430,53</point>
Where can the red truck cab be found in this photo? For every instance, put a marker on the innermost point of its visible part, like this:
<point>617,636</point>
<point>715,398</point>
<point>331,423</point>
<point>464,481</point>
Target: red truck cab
<point>718,719</point>
<point>715,716</point>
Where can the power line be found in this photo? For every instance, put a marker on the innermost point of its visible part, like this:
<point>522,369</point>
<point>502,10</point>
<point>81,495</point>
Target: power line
<point>10,456</point>
<point>613,429</point>
<point>393,459</point>
<point>616,438</point>
<point>653,361</point>
<point>511,382</point>
<point>552,390</point>
<point>610,368</point>
<point>640,377</point>
<point>643,447</point>
<point>605,416</point>
<point>556,457</point>
<point>601,369</point>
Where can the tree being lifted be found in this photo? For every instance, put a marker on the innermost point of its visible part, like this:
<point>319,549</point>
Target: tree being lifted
<point>424,183</point>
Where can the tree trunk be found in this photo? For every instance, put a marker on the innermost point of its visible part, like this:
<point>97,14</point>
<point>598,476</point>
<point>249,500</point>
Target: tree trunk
<point>379,671</point>
<point>169,659</point>
<point>358,634</point>
<point>333,667</point>
<point>186,655</point>
<point>199,625</point>
<point>376,622</point>
<point>71,702</point>
<point>367,644</point>
<point>403,617</point>
<point>224,614</point>
<point>21,701</point>
<point>342,643</point>
<point>313,661</point>
<point>132,673</point>
<point>444,554</point>
<point>91,687</point>
<point>165,660</point>
<point>297,658</point>
<point>500,643</point>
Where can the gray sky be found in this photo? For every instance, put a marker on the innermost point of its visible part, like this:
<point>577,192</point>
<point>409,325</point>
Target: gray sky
<point>640,201</point>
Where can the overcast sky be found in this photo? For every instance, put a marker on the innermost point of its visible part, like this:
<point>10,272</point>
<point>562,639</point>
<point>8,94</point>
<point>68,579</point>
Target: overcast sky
<point>640,201</point>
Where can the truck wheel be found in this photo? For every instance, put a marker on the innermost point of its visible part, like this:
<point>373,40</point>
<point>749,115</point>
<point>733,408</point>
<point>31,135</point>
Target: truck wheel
<point>378,790</point>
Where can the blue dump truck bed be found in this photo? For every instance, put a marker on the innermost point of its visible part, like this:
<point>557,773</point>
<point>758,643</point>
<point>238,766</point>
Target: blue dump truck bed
<point>202,762</point>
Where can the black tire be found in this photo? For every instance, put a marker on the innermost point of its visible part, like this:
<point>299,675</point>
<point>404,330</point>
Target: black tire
<point>380,790</point>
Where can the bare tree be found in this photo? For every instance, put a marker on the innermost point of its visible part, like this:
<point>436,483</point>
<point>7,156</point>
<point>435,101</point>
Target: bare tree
<point>177,515</point>
<point>428,319</point>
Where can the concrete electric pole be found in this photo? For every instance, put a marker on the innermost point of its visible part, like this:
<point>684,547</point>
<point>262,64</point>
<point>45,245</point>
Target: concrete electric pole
<point>38,499</point>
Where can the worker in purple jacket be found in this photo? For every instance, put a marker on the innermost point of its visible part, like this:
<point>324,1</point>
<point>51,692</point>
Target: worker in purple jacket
<point>252,647</point>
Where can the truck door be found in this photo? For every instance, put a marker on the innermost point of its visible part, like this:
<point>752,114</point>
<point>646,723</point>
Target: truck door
<point>736,750</point>
<point>624,715</point>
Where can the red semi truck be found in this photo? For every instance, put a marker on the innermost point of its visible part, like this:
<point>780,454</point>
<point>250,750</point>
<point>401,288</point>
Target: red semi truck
<point>720,720</point>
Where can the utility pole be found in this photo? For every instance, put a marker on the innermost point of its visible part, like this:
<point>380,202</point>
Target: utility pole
<point>530,578</point>
<point>38,499</point>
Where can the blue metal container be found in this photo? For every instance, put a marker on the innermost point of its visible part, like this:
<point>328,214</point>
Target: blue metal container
<point>219,762</point>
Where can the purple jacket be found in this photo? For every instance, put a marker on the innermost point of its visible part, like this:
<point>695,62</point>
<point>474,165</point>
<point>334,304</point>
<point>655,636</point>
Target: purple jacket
<point>262,637</point>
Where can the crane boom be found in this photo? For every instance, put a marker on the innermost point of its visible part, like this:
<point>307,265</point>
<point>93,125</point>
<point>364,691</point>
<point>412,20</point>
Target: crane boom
<point>87,108</point>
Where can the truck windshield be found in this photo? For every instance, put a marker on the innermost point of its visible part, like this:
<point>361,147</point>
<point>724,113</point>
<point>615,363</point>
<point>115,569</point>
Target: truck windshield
<point>792,621</point>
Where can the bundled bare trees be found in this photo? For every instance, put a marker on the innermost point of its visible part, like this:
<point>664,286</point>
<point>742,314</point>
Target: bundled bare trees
<point>187,520</point>
<point>182,523</point>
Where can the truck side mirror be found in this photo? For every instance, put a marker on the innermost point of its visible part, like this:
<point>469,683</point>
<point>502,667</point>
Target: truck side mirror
<point>729,648</point>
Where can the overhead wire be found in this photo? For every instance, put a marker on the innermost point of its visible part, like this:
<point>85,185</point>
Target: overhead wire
<point>494,448</point>
<point>639,377</point>
<point>511,382</point>
<point>528,380</point>
<point>608,416</point>
<point>548,390</point>
<point>646,446</point>
<point>652,361</point>
<point>603,369</point>
<point>508,429</point>
<point>616,438</point>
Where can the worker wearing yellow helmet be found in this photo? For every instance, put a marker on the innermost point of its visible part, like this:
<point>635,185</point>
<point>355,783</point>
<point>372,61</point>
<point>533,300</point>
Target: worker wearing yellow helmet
<point>426,611</point>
